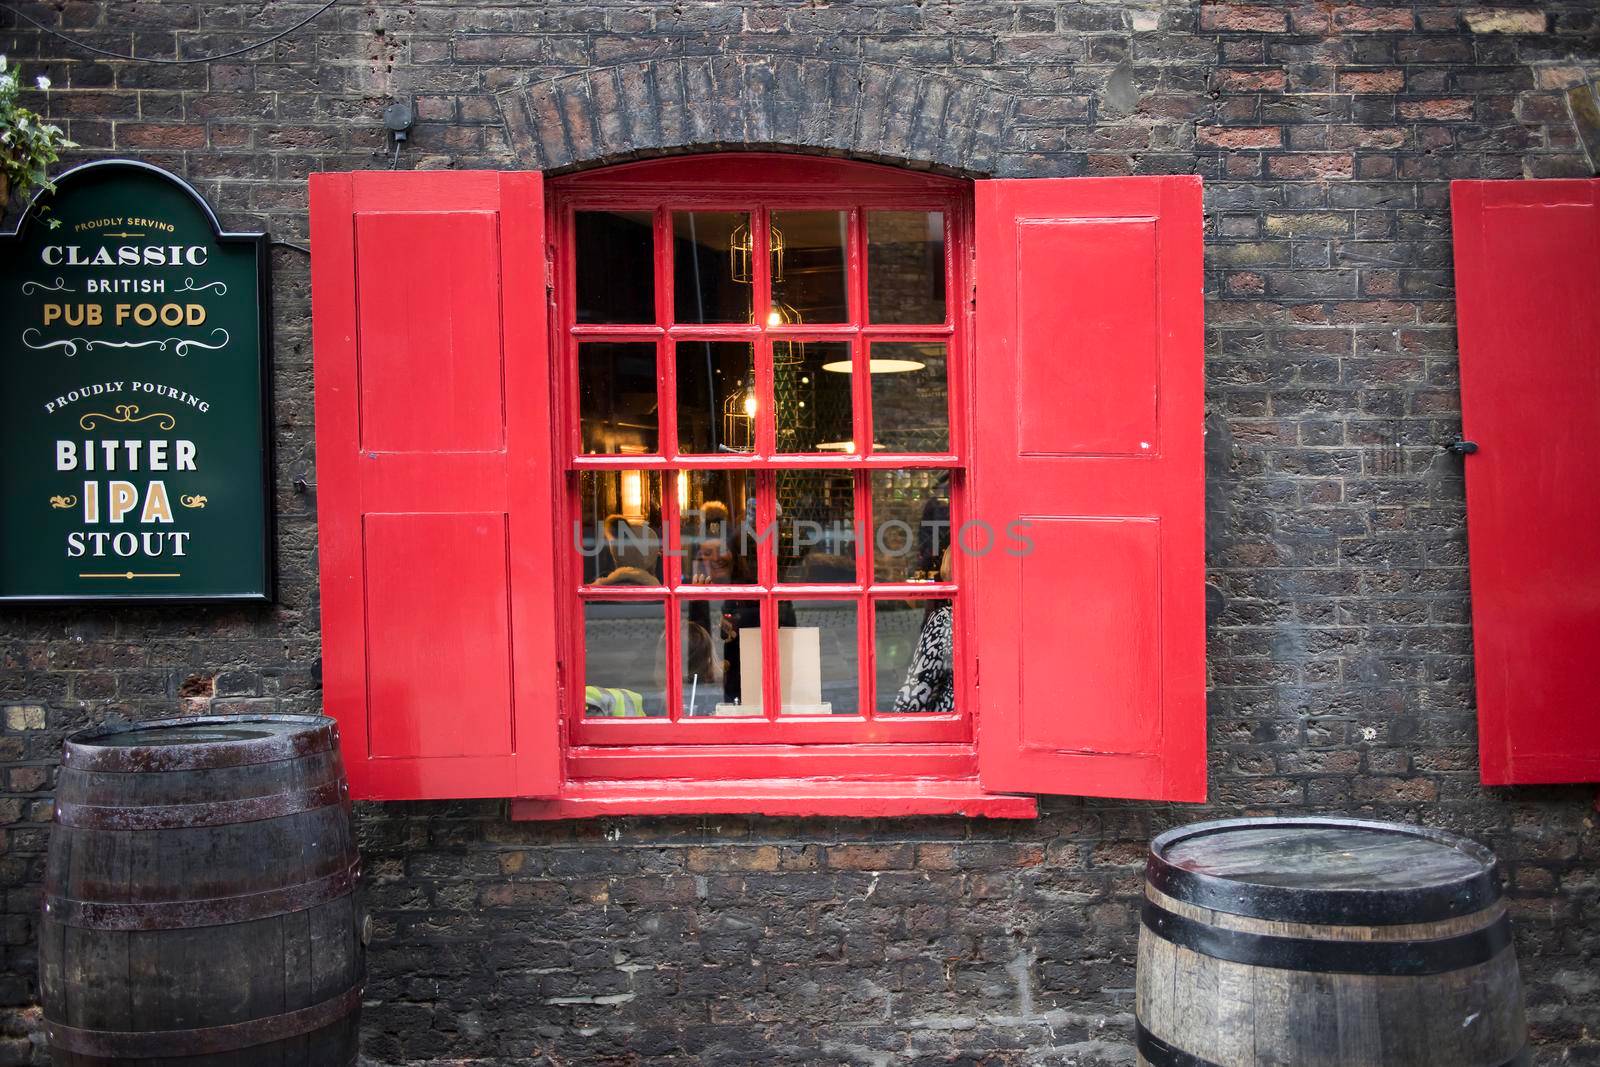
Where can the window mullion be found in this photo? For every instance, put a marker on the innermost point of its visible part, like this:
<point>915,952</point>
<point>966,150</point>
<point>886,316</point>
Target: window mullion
<point>866,643</point>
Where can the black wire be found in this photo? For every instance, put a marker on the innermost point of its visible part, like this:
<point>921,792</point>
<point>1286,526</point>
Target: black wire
<point>197,59</point>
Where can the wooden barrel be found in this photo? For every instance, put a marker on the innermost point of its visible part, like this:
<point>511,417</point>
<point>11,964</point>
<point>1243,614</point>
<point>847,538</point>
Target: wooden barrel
<point>200,899</point>
<point>1324,942</point>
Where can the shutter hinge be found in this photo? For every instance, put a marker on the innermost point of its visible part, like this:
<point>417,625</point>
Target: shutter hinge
<point>549,272</point>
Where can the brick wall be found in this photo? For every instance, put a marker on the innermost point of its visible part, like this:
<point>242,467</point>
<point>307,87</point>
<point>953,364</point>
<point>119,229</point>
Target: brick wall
<point>1340,648</point>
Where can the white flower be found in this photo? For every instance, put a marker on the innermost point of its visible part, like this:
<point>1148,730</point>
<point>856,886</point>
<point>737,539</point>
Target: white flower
<point>6,82</point>
<point>42,82</point>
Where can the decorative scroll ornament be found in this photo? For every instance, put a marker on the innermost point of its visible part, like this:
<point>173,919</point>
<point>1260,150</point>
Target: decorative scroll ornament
<point>190,287</point>
<point>179,345</point>
<point>61,286</point>
<point>62,503</point>
<point>126,413</point>
<point>192,500</point>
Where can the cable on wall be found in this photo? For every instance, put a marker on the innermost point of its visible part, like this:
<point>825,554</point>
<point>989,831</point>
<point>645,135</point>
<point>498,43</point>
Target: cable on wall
<point>174,62</point>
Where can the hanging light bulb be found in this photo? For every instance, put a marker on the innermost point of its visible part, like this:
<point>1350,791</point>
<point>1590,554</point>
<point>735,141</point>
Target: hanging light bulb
<point>742,250</point>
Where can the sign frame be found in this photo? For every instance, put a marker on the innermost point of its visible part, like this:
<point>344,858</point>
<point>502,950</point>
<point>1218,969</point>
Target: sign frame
<point>260,242</point>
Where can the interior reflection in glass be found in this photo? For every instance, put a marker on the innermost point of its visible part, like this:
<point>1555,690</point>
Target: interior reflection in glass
<point>717,638</point>
<point>905,266</point>
<point>816,526</point>
<point>613,245</point>
<point>617,397</point>
<point>808,267</point>
<point>707,284</point>
<point>915,665</point>
<point>817,658</point>
<point>813,401</point>
<point>619,527</point>
<point>716,397</point>
<point>910,401</point>
<point>910,524</point>
<point>624,645</point>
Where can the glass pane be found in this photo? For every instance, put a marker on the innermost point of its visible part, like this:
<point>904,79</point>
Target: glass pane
<point>910,525</point>
<point>716,397</point>
<point>808,267</point>
<point>616,276</point>
<point>711,266</point>
<point>619,527</point>
<point>623,654</point>
<point>914,661</point>
<point>910,404</point>
<point>811,390</point>
<point>717,524</point>
<point>617,397</point>
<point>816,526</point>
<point>717,639</point>
<point>905,266</point>
<point>818,657</point>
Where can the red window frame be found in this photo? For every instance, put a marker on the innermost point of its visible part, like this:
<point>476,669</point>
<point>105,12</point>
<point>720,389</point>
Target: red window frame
<point>921,743</point>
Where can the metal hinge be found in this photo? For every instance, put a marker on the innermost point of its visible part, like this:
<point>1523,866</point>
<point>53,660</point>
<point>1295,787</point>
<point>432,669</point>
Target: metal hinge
<point>1462,447</point>
<point>549,272</point>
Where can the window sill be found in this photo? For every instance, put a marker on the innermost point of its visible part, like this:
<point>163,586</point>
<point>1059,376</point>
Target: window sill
<point>791,797</point>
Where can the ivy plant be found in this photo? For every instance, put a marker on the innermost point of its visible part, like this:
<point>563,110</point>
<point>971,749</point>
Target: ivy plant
<point>28,144</point>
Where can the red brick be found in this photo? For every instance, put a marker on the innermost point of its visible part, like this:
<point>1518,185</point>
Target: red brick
<point>1436,110</point>
<point>1244,81</point>
<point>1240,136</point>
<point>1312,165</point>
<point>1243,18</point>
<point>1374,19</point>
<point>153,135</point>
<point>1372,81</point>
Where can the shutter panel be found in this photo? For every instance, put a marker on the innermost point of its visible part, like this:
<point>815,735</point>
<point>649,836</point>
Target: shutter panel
<point>1090,627</point>
<point>435,482</point>
<point>1528,312</point>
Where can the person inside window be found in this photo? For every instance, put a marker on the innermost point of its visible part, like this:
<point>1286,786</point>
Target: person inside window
<point>635,552</point>
<point>930,683</point>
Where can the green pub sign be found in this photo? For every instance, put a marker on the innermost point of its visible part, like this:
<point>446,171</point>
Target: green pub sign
<point>133,395</point>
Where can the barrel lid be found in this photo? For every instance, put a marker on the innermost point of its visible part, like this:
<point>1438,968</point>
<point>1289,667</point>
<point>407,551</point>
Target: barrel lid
<point>1320,869</point>
<point>196,742</point>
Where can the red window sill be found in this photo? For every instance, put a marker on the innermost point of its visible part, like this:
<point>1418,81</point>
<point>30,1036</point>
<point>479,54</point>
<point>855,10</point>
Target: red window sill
<point>793,797</point>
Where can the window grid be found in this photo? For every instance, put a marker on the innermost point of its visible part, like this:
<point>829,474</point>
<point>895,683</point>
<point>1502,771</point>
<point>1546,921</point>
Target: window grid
<point>865,723</point>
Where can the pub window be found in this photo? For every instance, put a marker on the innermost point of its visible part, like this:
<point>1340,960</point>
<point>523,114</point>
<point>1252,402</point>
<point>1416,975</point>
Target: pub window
<point>760,483</point>
<point>764,475</point>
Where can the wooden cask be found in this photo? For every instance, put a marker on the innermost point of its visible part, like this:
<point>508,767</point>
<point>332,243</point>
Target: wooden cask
<point>200,901</point>
<point>1322,942</point>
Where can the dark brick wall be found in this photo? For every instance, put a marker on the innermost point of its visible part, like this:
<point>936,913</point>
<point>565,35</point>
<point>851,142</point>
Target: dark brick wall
<point>1340,645</point>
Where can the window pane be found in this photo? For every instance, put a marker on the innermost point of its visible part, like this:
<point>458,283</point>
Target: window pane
<point>716,397</point>
<point>623,651</point>
<point>808,267</point>
<point>816,526</point>
<point>910,403</point>
<point>717,524</point>
<point>711,266</point>
<point>619,527</point>
<point>905,266</point>
<point>617,397</point>
<point>716,638</point>
<point>911,524</point>
<point>616,275</point>
<point>818,655</point>
<point>811,389</point>
<point>914,656</point>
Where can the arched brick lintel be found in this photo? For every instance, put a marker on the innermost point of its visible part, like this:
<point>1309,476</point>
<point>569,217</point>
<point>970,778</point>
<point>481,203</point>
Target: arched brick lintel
<point>863,110</point>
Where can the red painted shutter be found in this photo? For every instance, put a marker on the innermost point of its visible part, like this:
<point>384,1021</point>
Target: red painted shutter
<point>1090,625</point>
<point>435,482</point>
<point>1528,311</point>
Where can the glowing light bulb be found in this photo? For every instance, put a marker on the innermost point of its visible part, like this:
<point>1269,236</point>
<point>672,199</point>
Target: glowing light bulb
<point>773,318</point>
<point>750,405</point>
